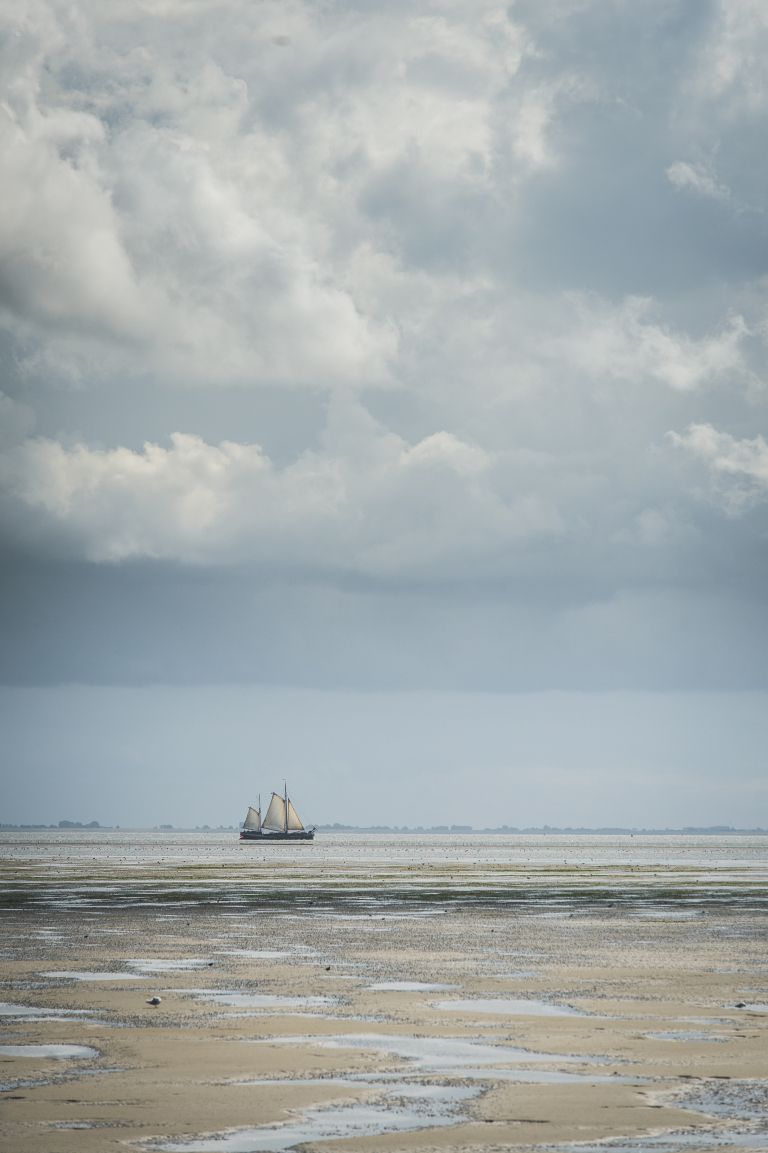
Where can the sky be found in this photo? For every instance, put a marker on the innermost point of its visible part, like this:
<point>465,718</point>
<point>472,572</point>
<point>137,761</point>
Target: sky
<point>383,407</point>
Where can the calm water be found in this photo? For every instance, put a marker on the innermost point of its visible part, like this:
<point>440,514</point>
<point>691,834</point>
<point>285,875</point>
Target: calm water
<point>176,848</point>
<point>398,875</point>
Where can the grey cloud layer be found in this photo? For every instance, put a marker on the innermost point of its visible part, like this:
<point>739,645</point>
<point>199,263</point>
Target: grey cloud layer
<point>510,258</point>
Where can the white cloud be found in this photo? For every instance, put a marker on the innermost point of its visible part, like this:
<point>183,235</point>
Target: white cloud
<point>64,262</point>
<point>535,116</point>
<point>739,467</point>
<point>699,179</point>
<point>187,189</point>
<point>734,62</point>
<point>445,449</point>
<point>374,505</point>
<point>625,343</point>
<point>144,227</point>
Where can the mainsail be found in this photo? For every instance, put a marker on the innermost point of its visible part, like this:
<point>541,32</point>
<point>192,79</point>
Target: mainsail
<point>252,819</point>
<point>293,818</point>
<point>275,818</point>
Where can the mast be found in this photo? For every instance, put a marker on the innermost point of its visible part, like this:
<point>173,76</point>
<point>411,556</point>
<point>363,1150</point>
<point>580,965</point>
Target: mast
<point>285,810</point>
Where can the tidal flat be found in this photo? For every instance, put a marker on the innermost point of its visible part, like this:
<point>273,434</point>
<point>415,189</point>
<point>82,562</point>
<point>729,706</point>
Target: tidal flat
<point>363,992</point>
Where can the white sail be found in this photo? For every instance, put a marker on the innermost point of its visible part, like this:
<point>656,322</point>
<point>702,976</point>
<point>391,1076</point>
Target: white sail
<point>293,818</point>
<point>275,818</point>
<point>252,819</point>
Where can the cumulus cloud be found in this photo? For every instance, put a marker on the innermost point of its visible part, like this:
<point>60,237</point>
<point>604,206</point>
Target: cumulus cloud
<point>64,263</point>
<point>734,59</point>
<point>698,178</point>
<point>535,114</point>
<point>204,207</point>
<point>387,509</point>
<point>626,342</point>
<point>141,213</point>
<point>739,466</point>
<point>205,194</point>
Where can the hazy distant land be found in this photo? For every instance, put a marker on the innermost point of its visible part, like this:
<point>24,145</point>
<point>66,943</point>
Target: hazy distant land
<point>542,830</point>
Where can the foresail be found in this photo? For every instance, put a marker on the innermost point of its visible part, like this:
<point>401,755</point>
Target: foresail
<point>252,819</point>
<point>293,818</point>
<point>275,818</point>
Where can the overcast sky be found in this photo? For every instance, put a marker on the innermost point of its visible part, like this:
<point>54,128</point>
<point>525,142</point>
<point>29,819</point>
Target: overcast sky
<point>383,405</point>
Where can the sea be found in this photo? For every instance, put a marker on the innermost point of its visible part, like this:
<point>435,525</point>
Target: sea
<point>740,851</point>
<point>107,867</point>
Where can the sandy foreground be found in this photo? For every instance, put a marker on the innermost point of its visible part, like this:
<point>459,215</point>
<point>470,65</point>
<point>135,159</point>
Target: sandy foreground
<point>368,1010</point>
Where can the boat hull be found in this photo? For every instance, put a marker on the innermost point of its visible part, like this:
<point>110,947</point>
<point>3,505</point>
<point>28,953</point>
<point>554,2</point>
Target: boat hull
<point>263,838</point>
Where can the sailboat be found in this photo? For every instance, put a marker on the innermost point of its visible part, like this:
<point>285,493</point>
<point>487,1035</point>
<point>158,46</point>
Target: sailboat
<point>281,823</point>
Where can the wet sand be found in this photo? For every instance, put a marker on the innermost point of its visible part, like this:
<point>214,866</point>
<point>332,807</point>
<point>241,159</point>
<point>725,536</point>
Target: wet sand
<point>307,999</point>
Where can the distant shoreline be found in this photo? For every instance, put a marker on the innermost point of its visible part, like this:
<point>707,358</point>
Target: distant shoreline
<point>545,830</point>
<point>432,830</point>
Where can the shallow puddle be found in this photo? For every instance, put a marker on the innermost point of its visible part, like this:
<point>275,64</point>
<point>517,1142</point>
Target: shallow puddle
<point>258,1000</point>
<point>159,965</point>
<point>77,1125</point>
<point>399,1108</point>
<point>82,975</point>
<point>676,1143</point>
<point>742,1100</point>
<point>517,1006</point>
<point>259,954</point>
<point>454,1057</point>
<point>685,1035</point>
<point>662,914</point>
<point>31,1013</point>
<point>50,1052</point>
<point>409,987</point>
<point>403,915</point>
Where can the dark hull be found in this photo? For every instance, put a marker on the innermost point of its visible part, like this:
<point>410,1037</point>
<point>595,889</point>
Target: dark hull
<point>263,838</point>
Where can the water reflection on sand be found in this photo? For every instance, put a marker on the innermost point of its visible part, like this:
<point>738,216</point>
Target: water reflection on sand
<point>513,987</point>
